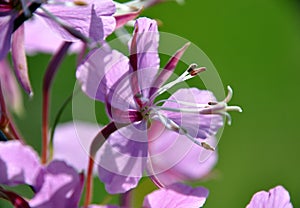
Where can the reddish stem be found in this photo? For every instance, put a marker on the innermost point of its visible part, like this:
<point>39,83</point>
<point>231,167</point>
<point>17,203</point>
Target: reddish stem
<point>48,78</point>
<point>6,123</point>
<point>125,199</point>
<point>89,183</point>
<point>45,127</point>
<point>3,119</point>
<point>98,141</point>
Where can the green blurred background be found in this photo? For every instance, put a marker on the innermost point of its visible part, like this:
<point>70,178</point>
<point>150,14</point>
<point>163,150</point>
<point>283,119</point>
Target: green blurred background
<point>255,46</point>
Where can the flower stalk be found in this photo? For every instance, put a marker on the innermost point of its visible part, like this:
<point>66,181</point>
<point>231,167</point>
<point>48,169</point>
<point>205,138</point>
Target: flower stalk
<point>47,82</point>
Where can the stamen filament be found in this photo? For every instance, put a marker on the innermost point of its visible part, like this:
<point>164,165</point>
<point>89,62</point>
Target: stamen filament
<point>182,103</point>
<point>188,74</point>
<point>171,125</point>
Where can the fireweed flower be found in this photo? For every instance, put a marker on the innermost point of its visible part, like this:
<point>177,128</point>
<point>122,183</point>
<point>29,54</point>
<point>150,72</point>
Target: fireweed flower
<point>55,185</point>
<point>93,20</point>
<point>276,197</point>
<point>129,87</point>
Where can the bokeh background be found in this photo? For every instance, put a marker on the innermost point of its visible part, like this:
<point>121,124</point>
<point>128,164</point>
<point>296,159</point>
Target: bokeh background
<point>255,46</point>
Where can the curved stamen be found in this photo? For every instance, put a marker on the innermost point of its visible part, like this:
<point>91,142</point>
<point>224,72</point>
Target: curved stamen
<point>188,74</point>
<point>182,103</point>
<point>171,125</point>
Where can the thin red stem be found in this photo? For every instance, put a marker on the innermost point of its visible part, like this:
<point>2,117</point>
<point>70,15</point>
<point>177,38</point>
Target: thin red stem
<point>47,82</point>
<point>95,146</point>
<point>13,130</point>
<point>3,113</point>
<point>6,122</point>
<point>89,183</point>
<point>45,127</point>
<point>125,199</point>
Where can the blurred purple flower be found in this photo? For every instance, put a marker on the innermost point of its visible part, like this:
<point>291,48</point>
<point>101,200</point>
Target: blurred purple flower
<point>55,185</point>
<point>71,143</point>
<point>129,87</point>
<point>94,20</point>
<point>276,197</point>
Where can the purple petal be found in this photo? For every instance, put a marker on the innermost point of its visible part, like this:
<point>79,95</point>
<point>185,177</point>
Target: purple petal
<point>176,196</point>
<point>19,164</point>
<point>144,54</point>
<point>71,143</point>
<point>100,71</point>
<point>123,158</point>
<point>10,88</point>
<point>94,20</point>
<point>40,38</point>
<point>6,28</point>
<point>19,59</point>
<point>199,126</point>
<point>59,185</point>
<point>104,76</point>
<point>174,158</point>
<point>277,197</point>
<point>168,70</point>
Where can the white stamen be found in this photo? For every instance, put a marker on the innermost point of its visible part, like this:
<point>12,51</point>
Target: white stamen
<point>68,3</point>
<point>171,125</point>
<point>188,74</point>
<point>229,95</point>
<point>182,103</point>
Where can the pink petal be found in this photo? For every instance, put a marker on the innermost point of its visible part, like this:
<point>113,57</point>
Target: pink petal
<point>176,196</point>
<point>122,158</point>
<point>104,76</point>
<point>19,164</point>
<point>40,38</point>
<point>100,71</point>
<point>6,28</point>
<point>144,53</point>
<point>19,59</point>
<point>277,197</point>
<point>94,20</point>
<point>59,186</point>
<point>174,158</point>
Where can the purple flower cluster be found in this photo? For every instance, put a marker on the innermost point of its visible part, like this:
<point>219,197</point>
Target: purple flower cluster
<point>171,140</point>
